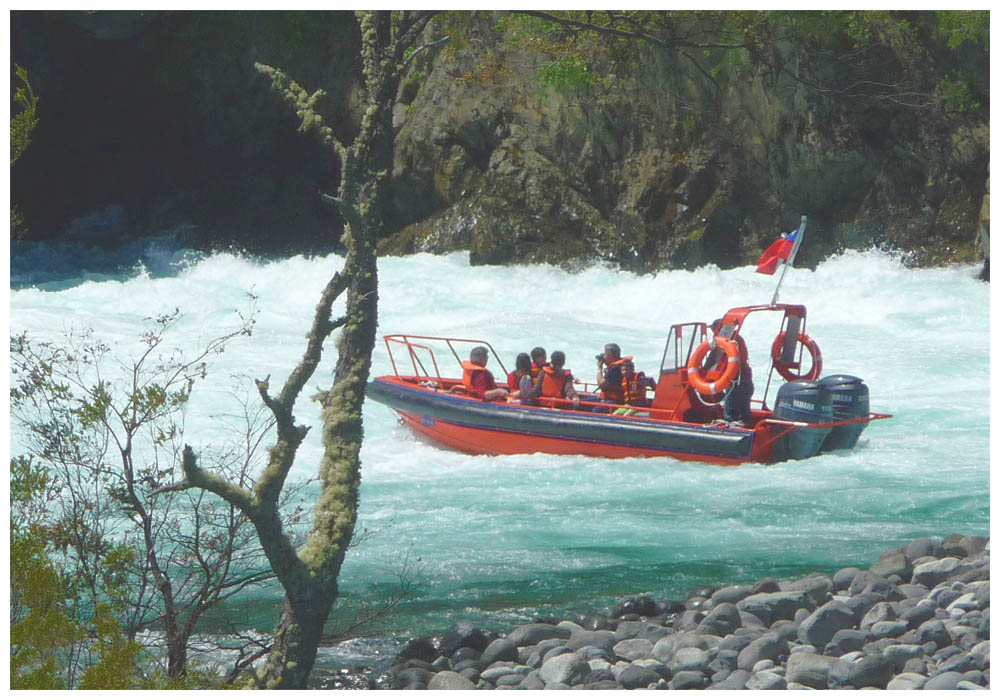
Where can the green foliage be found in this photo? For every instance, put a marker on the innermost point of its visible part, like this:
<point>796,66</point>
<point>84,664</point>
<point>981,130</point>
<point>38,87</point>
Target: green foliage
<point>45,632</point>
<point>959,26</point>
<point>102,434</point>
<point>566,75</point>
<point>40,622</point>
<point>22,123</point>
<point>955,94</point>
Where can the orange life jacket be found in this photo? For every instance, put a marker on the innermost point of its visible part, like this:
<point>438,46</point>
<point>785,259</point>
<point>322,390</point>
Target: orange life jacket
<point>535,369</point>
<point>553,383</point>
<point>634,391</point>
<point>469,370</point>
<point>614,393</point>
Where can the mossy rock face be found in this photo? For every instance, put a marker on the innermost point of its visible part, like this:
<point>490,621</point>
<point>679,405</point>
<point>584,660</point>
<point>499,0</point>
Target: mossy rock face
<point>671,167</point>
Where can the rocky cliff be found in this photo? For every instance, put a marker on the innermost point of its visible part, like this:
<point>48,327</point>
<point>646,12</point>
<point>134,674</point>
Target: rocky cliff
<point>162,118</point>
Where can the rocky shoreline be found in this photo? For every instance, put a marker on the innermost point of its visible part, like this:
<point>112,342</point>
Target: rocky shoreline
<point>919,618</point>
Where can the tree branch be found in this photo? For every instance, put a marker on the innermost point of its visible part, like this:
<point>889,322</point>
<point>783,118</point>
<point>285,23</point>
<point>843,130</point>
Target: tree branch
<point>626,33</point>
<point>196,477</point>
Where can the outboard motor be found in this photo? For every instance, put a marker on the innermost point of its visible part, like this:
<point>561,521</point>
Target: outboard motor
<point>849,396</point>
<point>803,402</point>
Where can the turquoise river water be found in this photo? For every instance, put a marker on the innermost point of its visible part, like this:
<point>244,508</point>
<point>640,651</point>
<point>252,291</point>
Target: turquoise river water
<point>499,540</point>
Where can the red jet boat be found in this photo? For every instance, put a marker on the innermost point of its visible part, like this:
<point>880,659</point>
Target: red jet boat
<point>682,419</point>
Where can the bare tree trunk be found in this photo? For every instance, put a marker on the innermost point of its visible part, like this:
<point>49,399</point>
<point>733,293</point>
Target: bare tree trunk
<point>309,575</point>
<point>296,642</point>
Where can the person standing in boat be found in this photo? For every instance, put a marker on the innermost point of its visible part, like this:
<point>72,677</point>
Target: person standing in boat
<point>737,406</point>
<point>555,381</point>
<point>537,362</point>
<point>609,375</point>
<point>520,380</point>
<point>478,380</point>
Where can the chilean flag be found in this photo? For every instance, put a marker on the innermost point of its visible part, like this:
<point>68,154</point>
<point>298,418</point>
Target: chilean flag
<point>779,250</point>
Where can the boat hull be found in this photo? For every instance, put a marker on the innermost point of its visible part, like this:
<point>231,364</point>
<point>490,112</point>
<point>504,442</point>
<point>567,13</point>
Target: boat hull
<point>478,427</point>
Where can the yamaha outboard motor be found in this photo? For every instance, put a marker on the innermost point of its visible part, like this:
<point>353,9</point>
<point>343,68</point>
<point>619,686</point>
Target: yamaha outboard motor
<point>802,402</point>
<point>849,396</point>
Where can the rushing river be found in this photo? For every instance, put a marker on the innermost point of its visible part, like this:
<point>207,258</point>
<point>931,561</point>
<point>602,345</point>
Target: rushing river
<point>497,539</point>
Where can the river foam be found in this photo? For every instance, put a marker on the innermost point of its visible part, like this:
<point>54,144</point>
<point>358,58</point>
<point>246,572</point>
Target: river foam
<point>498,538</point>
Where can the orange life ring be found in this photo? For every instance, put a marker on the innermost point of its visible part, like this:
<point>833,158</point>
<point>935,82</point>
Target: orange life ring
<point>786,370</point>
<point>703,385</point>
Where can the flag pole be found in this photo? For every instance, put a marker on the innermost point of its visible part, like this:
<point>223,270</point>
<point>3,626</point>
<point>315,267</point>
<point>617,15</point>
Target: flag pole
<point>791,258</point>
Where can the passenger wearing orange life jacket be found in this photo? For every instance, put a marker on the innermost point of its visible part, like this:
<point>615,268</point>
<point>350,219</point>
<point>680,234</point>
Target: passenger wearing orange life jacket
<point>634,385</point>
<point>609,375</point>
<point>520,380</point>
<point>478,380</point>
<point>537,362</point>
<point>556,382</point>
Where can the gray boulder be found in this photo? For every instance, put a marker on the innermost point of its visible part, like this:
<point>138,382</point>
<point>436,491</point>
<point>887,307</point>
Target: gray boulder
<point>887,629</point>
<point>923,547</point>
<point>863,602</point>
<point>819,628</point>
<point>934,572</point>
<point>449,680</point>
<point>918,614</point>
<point>934,631</point>
<point>769,607</point>
<point>602,639</point>
<point>737,680</point>
<point>722,620</point>
<point>842,579</point>
<point>963,546</point>
<point>845,641</point>
<point>899,654</point>
<point>766,680</point>
<point>568,669</point>
<point>869,582</point>
<point>688,659</point>
<point>873,671</point>
<point>533,681</point>
<point>880,612</point>
<point>817,586</point>
<point>894,565</point>
<point>907,681</point>
<point>535,632</point>
<point>913,590</point>
<point>812,670</point>
<point>767,647</point>
<point>498,650</point>
<point>730,594</point>
<point>664,649</point>
<point>632,649</point>
<point>637,677</point>
<point>689,680</point>
<point>944,681</point>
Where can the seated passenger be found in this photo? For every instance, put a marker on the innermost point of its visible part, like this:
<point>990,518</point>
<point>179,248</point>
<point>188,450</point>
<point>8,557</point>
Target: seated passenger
<point>537,361</point>
<point>478,380</point>
<point>556,382</point>
<point>634,385</point>
<point>609,376</point>
<point>520,381</point>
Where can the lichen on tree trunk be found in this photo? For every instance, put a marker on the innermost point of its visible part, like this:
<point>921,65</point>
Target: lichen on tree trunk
<point>309,576</point>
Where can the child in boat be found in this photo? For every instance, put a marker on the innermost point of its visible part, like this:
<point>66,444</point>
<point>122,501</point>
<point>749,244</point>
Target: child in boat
<point>555,381</point>
<point>634,385</point>
<point>520,380</point>
<point>537,362</point>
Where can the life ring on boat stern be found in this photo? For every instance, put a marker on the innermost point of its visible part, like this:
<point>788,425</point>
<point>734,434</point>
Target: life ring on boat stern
<point>787,370</point>
<point>704,385</point>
